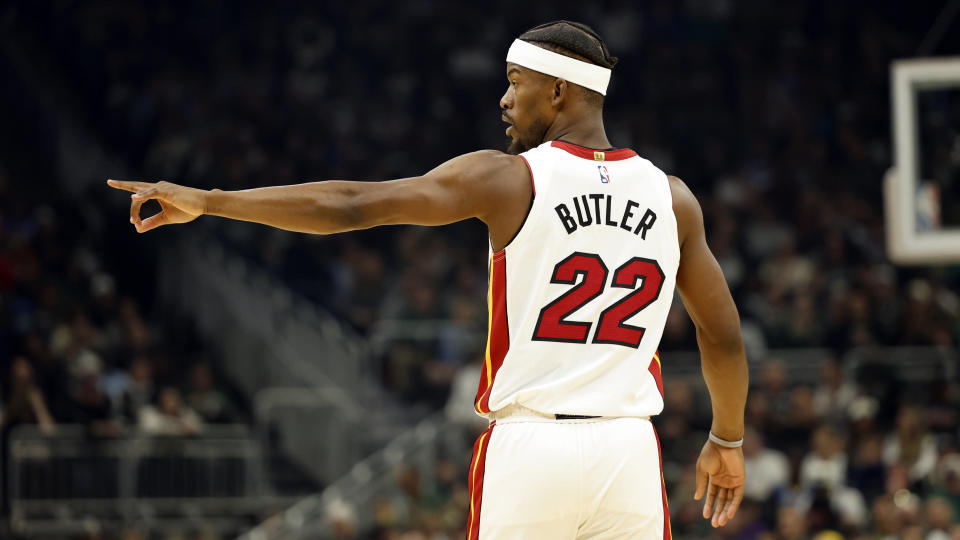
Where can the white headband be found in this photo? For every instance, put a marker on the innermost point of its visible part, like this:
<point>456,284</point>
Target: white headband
<point>550,63</point>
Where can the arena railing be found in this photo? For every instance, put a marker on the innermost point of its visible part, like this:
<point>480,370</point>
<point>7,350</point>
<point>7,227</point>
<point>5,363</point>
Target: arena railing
<point>68,481</point>
<point>374,476</point>
<point>311,428</point>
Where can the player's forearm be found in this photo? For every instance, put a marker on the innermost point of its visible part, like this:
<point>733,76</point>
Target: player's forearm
<point>316,207</point>
<point>724,366</point>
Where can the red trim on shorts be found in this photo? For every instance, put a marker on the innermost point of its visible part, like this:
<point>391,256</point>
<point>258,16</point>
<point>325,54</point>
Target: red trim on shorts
<point>533,184</point>
<point>667,531</point>
<point>498,337</point>
<point>591,154</point>
<point>475,481</point>
<point>655,370</point>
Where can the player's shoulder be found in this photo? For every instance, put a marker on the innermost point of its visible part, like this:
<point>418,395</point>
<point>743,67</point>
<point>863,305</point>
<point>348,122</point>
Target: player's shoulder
<point>495,158</point>
<point>683,198</point>
<point>490,164</point>
<point>686,209</point>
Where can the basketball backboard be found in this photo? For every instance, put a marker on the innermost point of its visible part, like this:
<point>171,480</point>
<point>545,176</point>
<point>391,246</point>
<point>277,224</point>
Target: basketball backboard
<point>915,234</point>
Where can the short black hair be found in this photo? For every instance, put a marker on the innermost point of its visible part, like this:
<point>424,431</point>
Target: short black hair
<point>572,39</point>
<point>575,40</point>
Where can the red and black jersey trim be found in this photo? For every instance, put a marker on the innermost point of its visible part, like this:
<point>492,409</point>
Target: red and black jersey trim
<point>498,333</point>
<point>614,154</point>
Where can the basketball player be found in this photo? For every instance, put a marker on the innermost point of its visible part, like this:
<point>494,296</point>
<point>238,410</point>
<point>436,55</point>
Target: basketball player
<point>587,244</point>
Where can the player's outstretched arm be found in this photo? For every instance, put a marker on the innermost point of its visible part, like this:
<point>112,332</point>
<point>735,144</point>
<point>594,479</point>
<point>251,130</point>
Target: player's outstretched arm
<point>704,291</point>
<point>480,184</point>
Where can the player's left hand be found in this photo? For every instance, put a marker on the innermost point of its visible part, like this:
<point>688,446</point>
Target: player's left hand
<point>720,474</point>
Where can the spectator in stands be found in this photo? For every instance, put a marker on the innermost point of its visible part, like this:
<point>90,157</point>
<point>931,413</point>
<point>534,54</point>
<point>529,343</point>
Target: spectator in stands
<point>26,404</point>
<point>887,518</point>
<point>767,470</point>
<point>867,472</point>
<point>362,284</point>
<point>343,520</point>
<point>91,406</point>
<point>826,465</point>
<point>74,341</point>
<point>791,524</point>
<point>911,445</point>
<point>679,434</point>
<point>136,331</point>
<point>463,392</point>
<point>802,419</point>
<point>209,402</point>
<point>946,481</point>
<point>833,395</point>
<point>169,416</point>
<point>49,373</point>
<point>824,472</point>
<point>939,518</point>
<point>774,388</point>
<point>139,389</point>
<point>862,417</point>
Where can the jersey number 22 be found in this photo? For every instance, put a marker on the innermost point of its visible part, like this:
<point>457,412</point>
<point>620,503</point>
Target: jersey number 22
<point>552,325</point>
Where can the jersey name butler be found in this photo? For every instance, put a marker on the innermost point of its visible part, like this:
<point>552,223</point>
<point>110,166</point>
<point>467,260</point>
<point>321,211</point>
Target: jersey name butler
<point>579,297</point>
<point>602,211</point>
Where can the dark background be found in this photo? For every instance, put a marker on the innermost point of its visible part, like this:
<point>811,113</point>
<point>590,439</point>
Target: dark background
<point>776,114</point>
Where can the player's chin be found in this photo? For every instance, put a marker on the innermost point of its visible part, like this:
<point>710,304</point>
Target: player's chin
<point>514,146</point>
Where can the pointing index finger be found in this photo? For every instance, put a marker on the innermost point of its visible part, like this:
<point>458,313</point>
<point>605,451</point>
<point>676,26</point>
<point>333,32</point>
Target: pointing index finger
<point>127,185</point>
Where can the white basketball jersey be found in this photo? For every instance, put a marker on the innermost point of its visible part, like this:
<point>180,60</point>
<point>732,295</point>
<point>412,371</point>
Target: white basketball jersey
<point>579,297</point>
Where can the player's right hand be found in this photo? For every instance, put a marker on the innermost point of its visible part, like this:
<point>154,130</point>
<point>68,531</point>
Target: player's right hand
<point>178,204</point>
<point>721,474</point>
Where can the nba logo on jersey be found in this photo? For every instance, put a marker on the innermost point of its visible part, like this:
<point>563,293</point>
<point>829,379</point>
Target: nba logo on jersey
<point>604,174</point>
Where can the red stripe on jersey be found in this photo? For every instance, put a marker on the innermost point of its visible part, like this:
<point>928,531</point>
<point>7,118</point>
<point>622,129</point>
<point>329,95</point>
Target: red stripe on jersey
<point>533,185</point>
<point>667,531</point>
<point>477,465</point>
<point>590,153</point>
<point>498,338</point>
<point>656,372</point>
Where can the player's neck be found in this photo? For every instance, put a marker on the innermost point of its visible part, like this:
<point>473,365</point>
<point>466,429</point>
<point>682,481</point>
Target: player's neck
<point>585,131</point>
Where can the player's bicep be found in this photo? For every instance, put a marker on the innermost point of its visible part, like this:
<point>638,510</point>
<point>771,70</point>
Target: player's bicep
<point>462,188</point>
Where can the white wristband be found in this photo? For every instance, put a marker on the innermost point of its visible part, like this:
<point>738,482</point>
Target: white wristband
<point>725,444</point>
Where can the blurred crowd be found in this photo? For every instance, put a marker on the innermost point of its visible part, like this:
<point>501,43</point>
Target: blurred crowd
<point>776,115</point>
<point>75,347</point>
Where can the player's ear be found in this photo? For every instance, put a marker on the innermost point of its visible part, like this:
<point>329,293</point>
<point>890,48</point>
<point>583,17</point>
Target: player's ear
<point>559,92</point>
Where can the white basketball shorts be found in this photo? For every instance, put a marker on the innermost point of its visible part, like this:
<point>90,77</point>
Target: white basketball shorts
<point>535,477</point>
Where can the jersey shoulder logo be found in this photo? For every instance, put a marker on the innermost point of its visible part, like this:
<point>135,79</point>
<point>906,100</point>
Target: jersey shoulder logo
<point>604,174</point>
